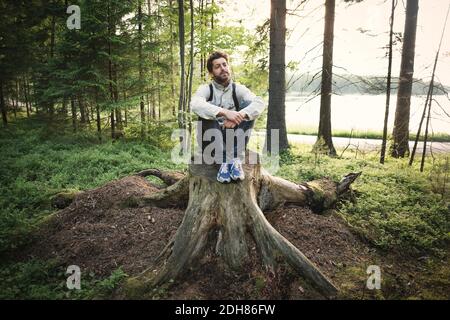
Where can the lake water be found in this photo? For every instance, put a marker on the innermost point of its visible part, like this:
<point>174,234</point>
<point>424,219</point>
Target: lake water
<point>363,112</point>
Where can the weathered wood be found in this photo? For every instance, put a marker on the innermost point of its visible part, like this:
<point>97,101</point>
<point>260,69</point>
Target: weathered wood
<point>225,213</point>
<point>168,177</point>
<point>175,195</point>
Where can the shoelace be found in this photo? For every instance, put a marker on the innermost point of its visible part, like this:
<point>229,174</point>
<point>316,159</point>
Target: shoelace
<point>237,164</point>
<point>224,168</point>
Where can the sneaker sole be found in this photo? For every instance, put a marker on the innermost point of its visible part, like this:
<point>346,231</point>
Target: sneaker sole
<point>237,178</point>
<point>223,180</point>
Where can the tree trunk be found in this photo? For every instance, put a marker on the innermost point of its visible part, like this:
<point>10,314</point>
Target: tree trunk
<point>126,108</point>
<point>202,49</point>
<point>277,75</point>
<point>324,143</point>
<point>172,64</point>
<point>429,98</point>
<point>82,110</point>
<point>158,54</point>
<point>15,101</point>
<point>27,99</point>
<point>98,119</point>
<point>425,138</point>
<point>110,76</point>
<point>27,89</point>
<point>153,97</point>
<point>388,84</point>
<point>141,71</point>
<point>220,216</point>
<point>3,105</point>
<point>63,111</point>
<point>400,147</point>
<point>113,125</point>
<point>18,98</point>
<point>191,66</point>
<point>181,107</point>
<point>212,16</point>
<point>119,123</point>
<point>74,114</point>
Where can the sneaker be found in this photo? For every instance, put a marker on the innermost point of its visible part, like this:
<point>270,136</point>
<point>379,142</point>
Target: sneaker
<point>236,171</point>
<point>223,175</point>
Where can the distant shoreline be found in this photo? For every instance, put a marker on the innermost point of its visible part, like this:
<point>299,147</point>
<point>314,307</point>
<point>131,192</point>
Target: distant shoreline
<point>373,135</point>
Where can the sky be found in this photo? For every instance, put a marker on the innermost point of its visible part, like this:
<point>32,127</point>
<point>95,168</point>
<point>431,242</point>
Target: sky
<point>361,32</point>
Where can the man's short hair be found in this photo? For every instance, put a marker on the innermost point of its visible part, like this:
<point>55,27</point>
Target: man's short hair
<point>213,56</point>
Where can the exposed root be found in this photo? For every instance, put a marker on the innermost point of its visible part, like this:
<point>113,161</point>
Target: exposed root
<point>168,177</point>
<point>225,213</point>
<point>319,194</point>
<point>176,195</point>
<point>273,247</point>
<point>346,181</point>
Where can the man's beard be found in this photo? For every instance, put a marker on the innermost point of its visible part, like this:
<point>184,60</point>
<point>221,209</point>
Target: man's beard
<point>221,80</point>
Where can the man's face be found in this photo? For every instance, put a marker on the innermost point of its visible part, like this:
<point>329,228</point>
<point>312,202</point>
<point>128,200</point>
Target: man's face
<point>221,71</point>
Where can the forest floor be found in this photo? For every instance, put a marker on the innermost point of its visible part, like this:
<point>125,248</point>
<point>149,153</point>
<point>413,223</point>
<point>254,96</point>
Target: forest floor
<point>99,234</point>
<point>396,219</point>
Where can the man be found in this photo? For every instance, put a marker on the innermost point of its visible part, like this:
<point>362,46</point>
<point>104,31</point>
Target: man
<point>229,107</point>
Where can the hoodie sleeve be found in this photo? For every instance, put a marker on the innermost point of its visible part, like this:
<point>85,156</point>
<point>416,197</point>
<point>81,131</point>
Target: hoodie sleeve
<point>256,104</point>
<point>201,107</point>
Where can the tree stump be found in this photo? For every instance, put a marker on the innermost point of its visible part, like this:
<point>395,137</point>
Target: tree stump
<point>220,215</point>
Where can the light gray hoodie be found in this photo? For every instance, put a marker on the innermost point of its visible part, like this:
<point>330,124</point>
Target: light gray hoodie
<point>223,98</point>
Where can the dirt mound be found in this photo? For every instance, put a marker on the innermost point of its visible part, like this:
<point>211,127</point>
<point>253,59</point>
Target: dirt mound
<point>100,232</point>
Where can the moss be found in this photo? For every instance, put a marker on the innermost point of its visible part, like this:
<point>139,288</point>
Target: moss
<point>323,196</point>
<point>63,199</point>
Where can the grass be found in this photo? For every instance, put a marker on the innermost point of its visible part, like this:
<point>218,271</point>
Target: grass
<point>367,134</point>
<point>36,279</point>
<point>396,207</point>
<point>35,164</point>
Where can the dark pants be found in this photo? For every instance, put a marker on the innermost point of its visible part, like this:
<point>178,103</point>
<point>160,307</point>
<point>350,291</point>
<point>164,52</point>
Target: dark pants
<point>239,135</point>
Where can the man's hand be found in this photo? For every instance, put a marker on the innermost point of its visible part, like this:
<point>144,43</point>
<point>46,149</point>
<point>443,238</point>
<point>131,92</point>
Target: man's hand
<point>233,116</point>
<point>244,115</point>
<point>228,124</point>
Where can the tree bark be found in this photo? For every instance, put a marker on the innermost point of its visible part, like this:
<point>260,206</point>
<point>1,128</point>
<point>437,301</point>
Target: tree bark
<point>27,99</point>
<point>191,66</point>
<point>15,100</point>
<point>3,105</point>
<point>74,114</point>
<point>172,64</point>
<point>141,71</point>
<point>110,76</point>
<point>388,84</point>
<point>220,216</point>
<point>118,111</point>
<point>82,110</point>
<point>181,106</point>
<point>277,75</point>
<point>98,119</point>
<point>400,147</point>
<point>324,143</point>
<point>429,99</point>
<point>158,54</point>
<point>29,95</point>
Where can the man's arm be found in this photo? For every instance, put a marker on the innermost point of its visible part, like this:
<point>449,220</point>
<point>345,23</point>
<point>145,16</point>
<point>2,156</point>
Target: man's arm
<point>201,107</point>
<point>207,110</point>
<point>256,106</point>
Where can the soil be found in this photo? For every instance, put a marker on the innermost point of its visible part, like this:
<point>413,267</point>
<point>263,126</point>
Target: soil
<point>103,230</point>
